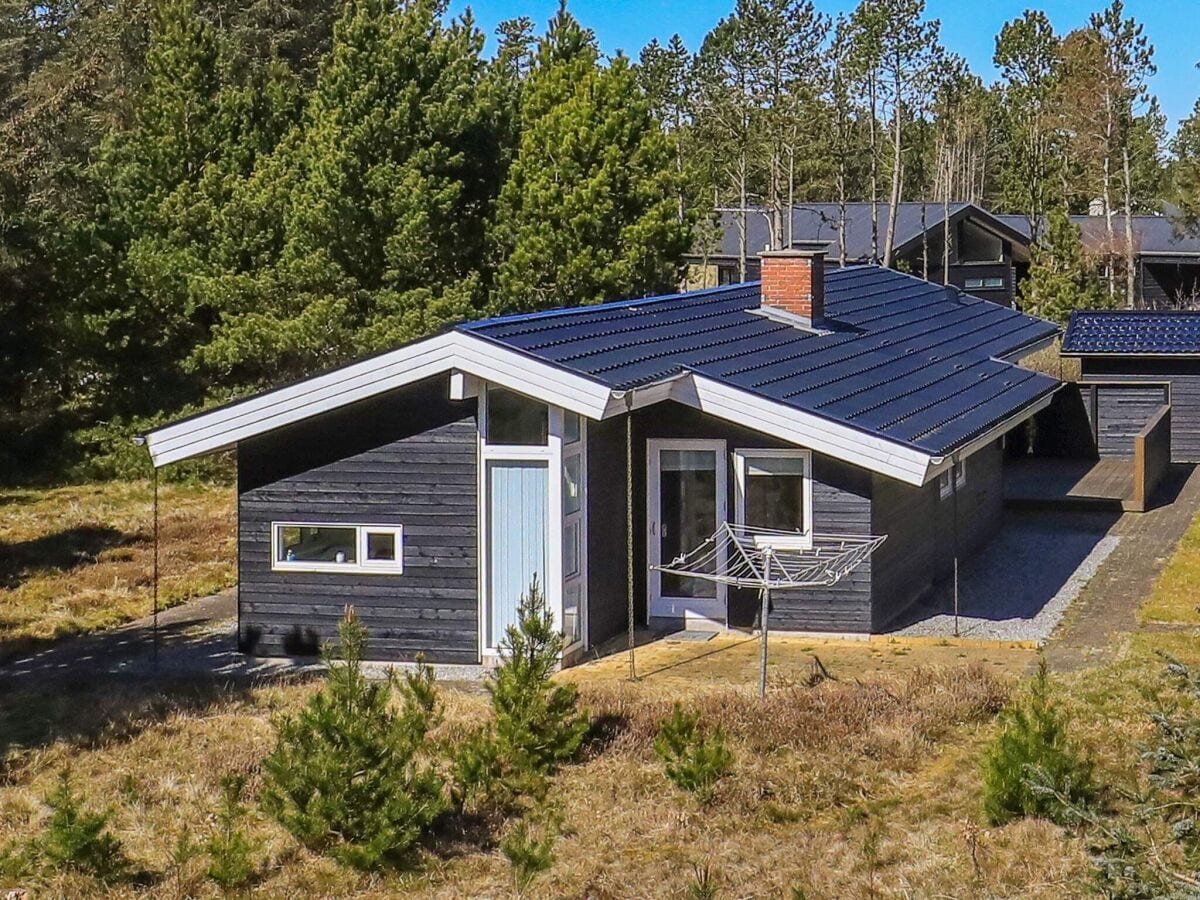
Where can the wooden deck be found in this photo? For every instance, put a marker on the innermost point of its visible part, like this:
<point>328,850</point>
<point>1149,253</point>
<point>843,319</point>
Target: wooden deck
<point>1106,484</point>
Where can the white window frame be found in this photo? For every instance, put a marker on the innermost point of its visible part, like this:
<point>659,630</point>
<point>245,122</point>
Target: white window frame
<point>741,456</point>
<point>361,566</point>
<point>945,486</point>
<point>551,454</point>
<point>715,609</point>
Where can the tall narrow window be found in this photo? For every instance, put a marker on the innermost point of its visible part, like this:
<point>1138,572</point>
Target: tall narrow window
<point>946,487</point>
<point>774,493</point>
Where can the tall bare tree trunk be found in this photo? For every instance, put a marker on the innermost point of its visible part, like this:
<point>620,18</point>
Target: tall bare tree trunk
<point>1129,248</point>
<point>897,167</point>
<point>873,142</point>
<point>1109,127</point>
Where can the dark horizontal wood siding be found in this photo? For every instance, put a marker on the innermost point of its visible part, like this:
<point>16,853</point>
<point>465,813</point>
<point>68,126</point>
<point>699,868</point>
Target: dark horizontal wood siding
<point>841,503</point>
<point>921,531</point>
<point>1183,378</point>
<point>406,458</point>
<point>1120,412</point>
<point>608,599</point>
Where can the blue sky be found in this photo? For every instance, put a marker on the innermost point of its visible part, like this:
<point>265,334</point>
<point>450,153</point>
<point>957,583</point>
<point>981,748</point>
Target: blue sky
<point>969,27</point>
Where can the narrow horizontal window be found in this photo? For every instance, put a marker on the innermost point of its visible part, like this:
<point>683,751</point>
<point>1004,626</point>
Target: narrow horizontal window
<point>981,283</point>
<point>321,547</point>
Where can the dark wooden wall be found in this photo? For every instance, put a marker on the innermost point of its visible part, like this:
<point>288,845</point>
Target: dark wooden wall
<point>920,528</point>
<point>1120,411</point>
<point>841,503</point>
<point>409,458</point>
<point>608,599</point>
<point>1183,376</point>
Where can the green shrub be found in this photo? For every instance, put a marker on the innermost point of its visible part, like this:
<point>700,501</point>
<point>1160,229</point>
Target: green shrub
<point>536,725</point>
<point>529,849</point>
<point>231,864</point>
<point>78,839</point>
<point>1033,764</point>
<point>348,775</point>
<point>694,761</point>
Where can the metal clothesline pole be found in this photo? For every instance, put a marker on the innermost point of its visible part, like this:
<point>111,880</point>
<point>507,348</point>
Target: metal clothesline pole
<point>629,531</point>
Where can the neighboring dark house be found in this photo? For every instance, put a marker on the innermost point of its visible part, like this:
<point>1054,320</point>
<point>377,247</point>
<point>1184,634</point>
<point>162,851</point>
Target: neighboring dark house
<point>427,485</point>
<point>1139,360</point>
<point>1167,255</point>
<point>988,256</point>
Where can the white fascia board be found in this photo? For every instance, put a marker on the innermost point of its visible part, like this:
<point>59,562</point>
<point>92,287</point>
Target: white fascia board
<point>735,405</point>
<point>225,427</point>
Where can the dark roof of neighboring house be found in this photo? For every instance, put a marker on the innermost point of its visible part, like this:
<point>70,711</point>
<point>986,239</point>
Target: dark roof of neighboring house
<point>819,222</point>
<point>902,359</point>
<point>1154,235</point>
<point>1132,332</point>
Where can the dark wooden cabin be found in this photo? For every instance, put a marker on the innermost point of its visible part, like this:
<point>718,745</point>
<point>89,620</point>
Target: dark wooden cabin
<point>428,485</point>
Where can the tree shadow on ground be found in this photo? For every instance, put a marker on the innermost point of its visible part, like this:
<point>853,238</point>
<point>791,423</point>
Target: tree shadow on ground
<point>107,687</point>
<point>62,551</point>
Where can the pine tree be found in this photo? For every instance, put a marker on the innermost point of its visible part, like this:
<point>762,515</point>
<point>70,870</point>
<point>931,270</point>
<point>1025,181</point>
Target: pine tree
<point>347,775</point>
<point>140,310</point>
<point>1027,54</point>
<point>1185,170</point>
<point>1034,752</point>
<point>1061,278</point>
<point>372,215</point>
<point>589,210</point>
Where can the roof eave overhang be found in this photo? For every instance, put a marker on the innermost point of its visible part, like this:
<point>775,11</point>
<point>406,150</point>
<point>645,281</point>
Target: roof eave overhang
<point>462,352</point>
<point>1116,354</point>
<point>943,462</point>
<point>224,428</point>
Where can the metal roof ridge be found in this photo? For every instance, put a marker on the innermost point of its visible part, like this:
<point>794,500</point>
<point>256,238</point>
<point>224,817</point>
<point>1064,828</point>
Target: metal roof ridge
<point>479,324</point>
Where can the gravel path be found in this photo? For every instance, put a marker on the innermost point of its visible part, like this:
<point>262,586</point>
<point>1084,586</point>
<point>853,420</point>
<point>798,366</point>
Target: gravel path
<point>1020,585</point>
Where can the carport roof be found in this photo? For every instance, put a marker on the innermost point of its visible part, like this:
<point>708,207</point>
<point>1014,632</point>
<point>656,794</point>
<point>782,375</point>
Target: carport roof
<point>1132,333</point>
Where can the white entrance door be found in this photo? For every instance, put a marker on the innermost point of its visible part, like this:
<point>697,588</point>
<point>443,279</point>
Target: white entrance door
<point>685,503</point>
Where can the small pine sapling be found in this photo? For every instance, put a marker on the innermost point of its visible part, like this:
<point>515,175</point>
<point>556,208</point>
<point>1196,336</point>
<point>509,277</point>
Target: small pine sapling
<point>78,839</point>
<point>1152,849</point>
<point>231,864</point>
<point>1033,761</point>
<point>529,848</point>
<point>348,775</point>
<point>694,761</point>
<point>536,723</point>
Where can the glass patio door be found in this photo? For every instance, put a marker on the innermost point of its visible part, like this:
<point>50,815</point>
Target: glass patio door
<point>686,501</point>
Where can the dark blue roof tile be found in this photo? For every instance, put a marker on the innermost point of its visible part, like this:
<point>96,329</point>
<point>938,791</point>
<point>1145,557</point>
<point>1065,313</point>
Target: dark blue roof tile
<point>1133,332</point>
<point>900,358</point>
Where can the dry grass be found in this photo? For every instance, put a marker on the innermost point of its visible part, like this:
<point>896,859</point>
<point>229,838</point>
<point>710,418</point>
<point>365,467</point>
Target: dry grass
<point>845,789</point>
<point>1176,595</point>
<point>1050,361</point>
<point>78,559</point>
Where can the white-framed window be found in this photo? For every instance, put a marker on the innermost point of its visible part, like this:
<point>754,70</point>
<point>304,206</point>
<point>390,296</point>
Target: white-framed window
<point>774,491</point>
<point>337,547</point>
<point>992,282</point>
<point>514,420</point>
<point>946,486</point>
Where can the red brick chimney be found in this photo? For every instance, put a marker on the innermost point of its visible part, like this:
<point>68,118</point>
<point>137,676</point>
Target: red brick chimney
<point>793,281</point>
